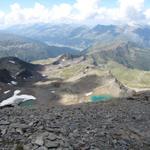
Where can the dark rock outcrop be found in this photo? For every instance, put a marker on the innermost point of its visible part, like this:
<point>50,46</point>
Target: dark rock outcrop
<point>14,69</point>
<point>5,76</point>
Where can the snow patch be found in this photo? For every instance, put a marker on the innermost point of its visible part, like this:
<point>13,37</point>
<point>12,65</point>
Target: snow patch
<point>16,99</point>
<point>14,83</point>
<point>44,75</point>
<point>88,94</point>
<point>6,92</point>
<point>17,73</point>
<point>63,60</point>
<point>13,77</point>
<point>12,62</point>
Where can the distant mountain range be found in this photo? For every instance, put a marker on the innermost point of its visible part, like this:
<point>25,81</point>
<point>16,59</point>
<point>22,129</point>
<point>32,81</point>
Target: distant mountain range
<point>126,53</point>
<point>28,49</point>
<point>82,36</point>
<point>125,44</point>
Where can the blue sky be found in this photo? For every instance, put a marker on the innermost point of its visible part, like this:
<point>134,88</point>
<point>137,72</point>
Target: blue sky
<point>5,4</point>
<point>75,11</point>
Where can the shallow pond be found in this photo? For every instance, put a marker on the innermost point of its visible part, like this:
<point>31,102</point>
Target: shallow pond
<point>28,103</point>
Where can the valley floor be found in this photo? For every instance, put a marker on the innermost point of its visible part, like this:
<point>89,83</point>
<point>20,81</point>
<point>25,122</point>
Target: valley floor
<point>119,124</point>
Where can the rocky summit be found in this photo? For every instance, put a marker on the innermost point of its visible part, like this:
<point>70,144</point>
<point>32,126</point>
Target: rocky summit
<point>119,124</point>
<point>74,87</point>
<point>74,75</point>
<point>64,114</point>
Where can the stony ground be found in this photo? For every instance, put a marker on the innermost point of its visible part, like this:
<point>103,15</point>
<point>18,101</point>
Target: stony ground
<point>122,124</point>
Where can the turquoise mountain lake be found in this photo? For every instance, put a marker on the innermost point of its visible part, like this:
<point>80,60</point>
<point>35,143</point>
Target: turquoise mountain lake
<point>100,98</point>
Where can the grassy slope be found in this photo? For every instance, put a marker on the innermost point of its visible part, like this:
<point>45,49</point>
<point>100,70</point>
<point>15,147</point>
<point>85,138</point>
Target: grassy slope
<point>43,61</point>
<point>130,77</point>
<point>72,71</point>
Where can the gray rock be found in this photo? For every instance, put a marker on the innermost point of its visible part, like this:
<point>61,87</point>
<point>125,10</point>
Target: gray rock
<point>18,130</point>
<point>3,131</point>
<point>35,147</point>
<point>2,122</point>
<point>42,148</point>
<point>52,136</point>
<point>147,141</point>
<point>18,125</point>
<point>92,129</point>
<point>51,144</point>
<point>64,149</point>
<point>39,140</point>
<point>18,147</point>
<point>27,147</point>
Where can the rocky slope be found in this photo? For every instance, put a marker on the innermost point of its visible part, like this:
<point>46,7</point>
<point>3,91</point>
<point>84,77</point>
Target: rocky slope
<point>65,80</point>
<point>15,73</point>
<point>118,124</point>
<point>74,80</point>
<point>129,54</point>
<point>17,70</point>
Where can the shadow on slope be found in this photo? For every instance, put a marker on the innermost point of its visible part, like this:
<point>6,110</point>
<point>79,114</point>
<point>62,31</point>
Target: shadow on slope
<point>59,91</point>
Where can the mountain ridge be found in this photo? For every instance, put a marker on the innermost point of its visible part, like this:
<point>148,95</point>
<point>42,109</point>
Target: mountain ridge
<point>29,49</point>
<point>133,41</point>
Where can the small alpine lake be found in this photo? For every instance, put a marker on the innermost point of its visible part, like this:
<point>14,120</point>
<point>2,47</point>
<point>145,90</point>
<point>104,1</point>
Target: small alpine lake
<point>100,98</point>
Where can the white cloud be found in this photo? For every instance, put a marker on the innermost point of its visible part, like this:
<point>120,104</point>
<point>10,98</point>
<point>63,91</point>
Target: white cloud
<point>131,10</point>
<point>26,15</point>
<point>2,15</point>
<point>82,11</point>
<point>60,11</point>
<point>135,4</point>
<point>147,13</point>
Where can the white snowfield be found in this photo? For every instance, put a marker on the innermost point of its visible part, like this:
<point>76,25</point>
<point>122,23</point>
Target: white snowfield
<point>88,94</point>
<point>16,99</point>
<point>6,92</point>
<point>14,83</point>
<point>13,62</point>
